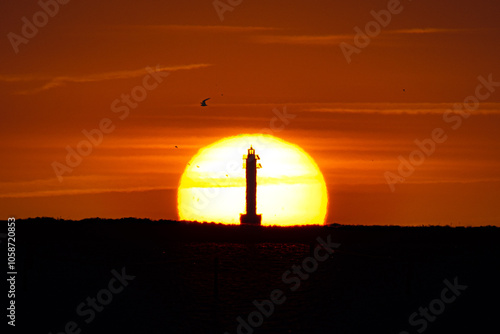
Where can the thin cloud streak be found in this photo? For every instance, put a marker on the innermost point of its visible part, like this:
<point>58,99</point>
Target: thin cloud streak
<point>399,111</point>
<point>208,28</point>
<point>76,185</point>
<point>50,193</point>
<point>337,38</point>
<point>390,108</point>
<point>302,39</point>
<point>420,31</point>
<point>53,82</point>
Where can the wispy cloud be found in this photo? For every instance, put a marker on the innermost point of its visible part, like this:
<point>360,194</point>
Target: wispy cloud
<point>302,39</point>
<point>398,108</point>
<point>53,82</point>
<point>334,39</point>
<point>78,185</point>
<point>375,111</point>
<point>204,28</point>
<point>47,193</point>
<point>425,31</point>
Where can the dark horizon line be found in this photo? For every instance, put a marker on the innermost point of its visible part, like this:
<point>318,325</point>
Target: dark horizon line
<point>172,221</point>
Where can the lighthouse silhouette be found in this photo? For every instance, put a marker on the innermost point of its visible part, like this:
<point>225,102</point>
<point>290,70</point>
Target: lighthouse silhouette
<point>251,165</point>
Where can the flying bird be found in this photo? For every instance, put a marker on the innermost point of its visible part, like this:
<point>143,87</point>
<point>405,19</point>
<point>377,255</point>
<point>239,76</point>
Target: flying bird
<point>203,104</point>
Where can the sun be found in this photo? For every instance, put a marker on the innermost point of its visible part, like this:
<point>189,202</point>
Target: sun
<point>291,189</point>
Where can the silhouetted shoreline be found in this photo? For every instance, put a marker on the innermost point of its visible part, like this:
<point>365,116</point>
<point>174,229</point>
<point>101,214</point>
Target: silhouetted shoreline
<point>200,277</point>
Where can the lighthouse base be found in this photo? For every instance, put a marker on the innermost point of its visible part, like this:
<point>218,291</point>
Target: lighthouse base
<point>250,219</point>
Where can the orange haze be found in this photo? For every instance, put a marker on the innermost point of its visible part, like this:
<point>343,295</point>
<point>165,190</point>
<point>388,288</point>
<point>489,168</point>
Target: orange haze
<point>85,71</point>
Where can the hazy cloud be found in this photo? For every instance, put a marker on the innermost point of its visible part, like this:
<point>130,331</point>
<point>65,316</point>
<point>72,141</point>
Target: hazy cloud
<point>398,108</point>
<point>208,28</point>
<point>425,31</point>
<point>337,38</point>
<point>302,39</point>
<point>53,82</point>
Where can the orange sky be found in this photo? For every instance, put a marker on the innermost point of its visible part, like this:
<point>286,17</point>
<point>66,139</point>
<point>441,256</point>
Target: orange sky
<point>353,117</point>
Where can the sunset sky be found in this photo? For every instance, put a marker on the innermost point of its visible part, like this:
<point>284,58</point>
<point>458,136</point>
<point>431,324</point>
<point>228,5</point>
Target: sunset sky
<point>353,115</point>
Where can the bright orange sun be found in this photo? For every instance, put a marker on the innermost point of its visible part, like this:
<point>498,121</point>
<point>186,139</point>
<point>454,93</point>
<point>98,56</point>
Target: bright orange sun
<point>290,187</point>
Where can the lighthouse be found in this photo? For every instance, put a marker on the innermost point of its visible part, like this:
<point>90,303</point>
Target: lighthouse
<point>250,163</point>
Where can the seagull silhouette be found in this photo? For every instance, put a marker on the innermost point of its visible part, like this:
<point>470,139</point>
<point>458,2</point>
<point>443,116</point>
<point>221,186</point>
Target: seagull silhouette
<point>203,104</point>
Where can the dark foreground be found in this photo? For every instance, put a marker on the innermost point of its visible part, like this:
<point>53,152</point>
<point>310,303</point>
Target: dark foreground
<point>138,276</point>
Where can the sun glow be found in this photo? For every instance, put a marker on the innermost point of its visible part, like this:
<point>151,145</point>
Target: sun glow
<point>290,187</point>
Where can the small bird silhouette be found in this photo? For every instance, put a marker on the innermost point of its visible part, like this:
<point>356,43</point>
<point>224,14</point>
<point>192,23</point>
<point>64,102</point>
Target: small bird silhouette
<point>203,104</point>
<point>176,146</point>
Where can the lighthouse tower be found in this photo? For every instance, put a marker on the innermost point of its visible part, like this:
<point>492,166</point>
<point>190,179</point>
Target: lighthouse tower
<point>251,165</point>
